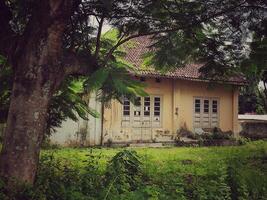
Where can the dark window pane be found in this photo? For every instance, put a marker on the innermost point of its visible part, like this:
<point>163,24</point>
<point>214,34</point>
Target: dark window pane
<point>206,106</point>
<point>214,106</point>
<point>146,113</point>
<point>197,110</point>
<point>157,99</point>
<point>157,108</point>
<point>197,105</point>
<point>157,113</point>
<point>157,104</point>
<point>126,107</point>
<point>147,103</point>
<point>125,113</point>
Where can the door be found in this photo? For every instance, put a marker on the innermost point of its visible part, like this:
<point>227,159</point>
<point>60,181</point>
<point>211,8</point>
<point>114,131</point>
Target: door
<point>206,112</point>
<point>143,115</point>
<point>141,126</point>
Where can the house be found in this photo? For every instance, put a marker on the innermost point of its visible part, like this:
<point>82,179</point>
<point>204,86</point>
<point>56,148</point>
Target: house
<point>177,99</point>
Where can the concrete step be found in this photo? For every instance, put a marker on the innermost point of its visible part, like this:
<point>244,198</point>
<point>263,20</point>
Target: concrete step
<point>146,145</point>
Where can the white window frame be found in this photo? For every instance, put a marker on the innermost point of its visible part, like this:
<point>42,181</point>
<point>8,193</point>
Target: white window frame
<point>210,113</point>
<point>145,121</point>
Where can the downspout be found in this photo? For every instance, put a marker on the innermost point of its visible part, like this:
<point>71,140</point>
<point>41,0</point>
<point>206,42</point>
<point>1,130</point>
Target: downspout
<point>173,108</point>
<point>102,124</point>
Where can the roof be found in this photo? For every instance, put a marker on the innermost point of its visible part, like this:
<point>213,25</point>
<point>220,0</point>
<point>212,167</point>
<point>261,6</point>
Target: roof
<point>253,117</point>
<point>134,55</point>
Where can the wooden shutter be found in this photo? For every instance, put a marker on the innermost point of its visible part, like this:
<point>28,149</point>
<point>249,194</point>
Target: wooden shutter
<point>206,112</point>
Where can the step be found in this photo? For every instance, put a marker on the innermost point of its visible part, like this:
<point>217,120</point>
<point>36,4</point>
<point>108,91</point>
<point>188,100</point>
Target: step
<point>156,145</point>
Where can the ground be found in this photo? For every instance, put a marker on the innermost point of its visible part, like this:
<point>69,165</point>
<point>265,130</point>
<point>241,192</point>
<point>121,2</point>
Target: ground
<point>219,173</point>
<point>170,157</point>
<point>187,173</point>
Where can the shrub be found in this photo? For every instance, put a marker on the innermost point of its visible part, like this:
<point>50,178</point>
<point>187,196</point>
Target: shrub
<point>243,140</point>
<point>218,134</point>
<point>238,174</point>
<point>123,173</point>
<point>246,179</point>
<point>183,132</point>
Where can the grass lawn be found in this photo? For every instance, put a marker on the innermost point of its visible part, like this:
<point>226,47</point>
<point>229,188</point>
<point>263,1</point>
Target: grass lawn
<point>160,160</point>
<point>183,173</point>
<point>198,173</point>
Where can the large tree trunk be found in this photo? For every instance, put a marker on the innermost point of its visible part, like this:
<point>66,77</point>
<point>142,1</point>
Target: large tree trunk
<point>40,64</point>
<point>24,133</point>
<point>39,70</point>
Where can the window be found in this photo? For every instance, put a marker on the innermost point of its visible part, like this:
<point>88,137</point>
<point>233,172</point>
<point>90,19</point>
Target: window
<point>142,112</point>
<point>137,107</point>
<point>214,106</point>
<point>206,106</point>
<point>206,112</point>
<point>157,106</point>
<point>126,107</point>
<point>146,106</point>
<point>197,105</point>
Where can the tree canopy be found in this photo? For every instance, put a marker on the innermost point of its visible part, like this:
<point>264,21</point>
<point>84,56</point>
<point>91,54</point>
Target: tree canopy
<point>47,44</point>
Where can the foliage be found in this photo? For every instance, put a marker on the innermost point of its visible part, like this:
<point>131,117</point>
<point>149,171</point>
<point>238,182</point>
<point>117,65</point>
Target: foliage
<point>253,96</point>
<point>71,101</point>
<point>68,102</point>
<point>209,134</point>
<point>123,173</point>
<point>114,81</point>
<point>219,134</point>
<point>28,27</point>
<point>5,89</point>
<point>168,173</point>
<point>246,181</point>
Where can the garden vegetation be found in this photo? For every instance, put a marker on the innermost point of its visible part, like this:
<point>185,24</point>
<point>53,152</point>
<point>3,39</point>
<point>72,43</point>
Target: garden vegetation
<point>217,173</point>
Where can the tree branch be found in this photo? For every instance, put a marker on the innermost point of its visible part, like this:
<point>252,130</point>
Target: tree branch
<point>212,16</point>
<point>99,36</point>
<point>122,41</point>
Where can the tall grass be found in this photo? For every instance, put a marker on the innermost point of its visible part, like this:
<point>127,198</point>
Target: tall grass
<point>150,173</point>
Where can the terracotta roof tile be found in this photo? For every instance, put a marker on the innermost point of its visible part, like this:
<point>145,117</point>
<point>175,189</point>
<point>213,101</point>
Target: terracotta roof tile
<point>134,55</point>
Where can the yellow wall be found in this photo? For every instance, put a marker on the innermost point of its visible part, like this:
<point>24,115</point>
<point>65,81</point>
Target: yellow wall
<point>185,91</point>
<point>178,96</point>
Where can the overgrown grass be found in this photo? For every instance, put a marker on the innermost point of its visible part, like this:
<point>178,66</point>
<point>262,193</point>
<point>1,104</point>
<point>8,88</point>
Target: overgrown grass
<point>152,173</point>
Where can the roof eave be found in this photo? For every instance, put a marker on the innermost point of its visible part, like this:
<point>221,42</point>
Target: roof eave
<point>189,78</point>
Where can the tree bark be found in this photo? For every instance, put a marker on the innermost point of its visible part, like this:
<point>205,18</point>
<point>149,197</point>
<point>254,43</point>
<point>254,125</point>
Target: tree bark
<point>24,133</point>
<point>39,70</point>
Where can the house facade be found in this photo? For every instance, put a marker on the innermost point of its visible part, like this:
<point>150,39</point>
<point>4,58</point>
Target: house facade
<point>171,105</point>
<point>178,99</point>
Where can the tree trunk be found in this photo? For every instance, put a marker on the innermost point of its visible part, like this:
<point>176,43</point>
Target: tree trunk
<point>24,133</point>
<point>38,72</point>
<point>40,64</point>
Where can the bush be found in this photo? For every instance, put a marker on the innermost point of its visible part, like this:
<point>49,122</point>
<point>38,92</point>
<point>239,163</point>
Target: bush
<point>183,132</point>
<point>123,173</point>
<point>246,181</point>
<point>241,176</point>
<point>218,134</point>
